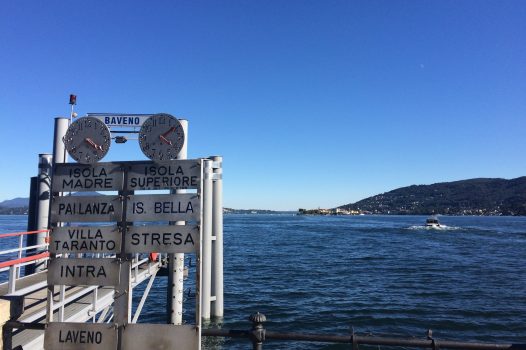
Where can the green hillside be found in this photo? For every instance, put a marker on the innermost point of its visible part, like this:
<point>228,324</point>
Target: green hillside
<point>467,197</point>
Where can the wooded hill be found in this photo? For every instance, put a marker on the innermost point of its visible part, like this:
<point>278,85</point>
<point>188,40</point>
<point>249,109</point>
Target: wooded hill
<point>467,197</point>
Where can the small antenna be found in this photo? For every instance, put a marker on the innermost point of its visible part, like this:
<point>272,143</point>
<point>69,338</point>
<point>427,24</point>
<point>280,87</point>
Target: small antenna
<point>72,102</point>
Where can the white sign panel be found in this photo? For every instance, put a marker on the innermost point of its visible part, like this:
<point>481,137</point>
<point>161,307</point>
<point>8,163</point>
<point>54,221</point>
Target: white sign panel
<point>122,120</point>
<point>176,174</point>
<point>86,209</point>
<point>160,337</point>
<point>84,177</point>
<point>84,239</point>
<point>80,336</point>
<point>89,272</point>
<point>164,207</point>
<point>162,239</point>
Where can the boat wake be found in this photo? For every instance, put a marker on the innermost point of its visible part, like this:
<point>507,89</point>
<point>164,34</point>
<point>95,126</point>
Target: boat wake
<point>434,228</point>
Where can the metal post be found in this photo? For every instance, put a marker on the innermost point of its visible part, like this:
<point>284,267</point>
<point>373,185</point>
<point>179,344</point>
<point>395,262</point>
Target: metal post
<point>122,295</point>
<point>11,284</point>
<point>176,261</point>
<point>217,232</point>
<point>59,150</point>
<point>206,225</point>
<point>32,222</point>
<point>258,331</point>
<point>44,195</point>
<point>59,156</point>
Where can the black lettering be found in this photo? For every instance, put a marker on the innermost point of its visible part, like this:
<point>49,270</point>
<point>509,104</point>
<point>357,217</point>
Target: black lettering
<point>93,245</point>
<point>138,208</point>
<point>90,337</point>
<point>110,245</point>
<point>90,270</point>
<point>101,272</point>
<point>189,239</point>
<point>177,238</point>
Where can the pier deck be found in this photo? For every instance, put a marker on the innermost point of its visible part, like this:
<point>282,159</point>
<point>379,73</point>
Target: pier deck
<point>78,304</point>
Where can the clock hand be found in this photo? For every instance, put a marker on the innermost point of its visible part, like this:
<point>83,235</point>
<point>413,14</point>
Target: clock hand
<point>93,144</point>
<point>163,139</point>
<point>172,129</point>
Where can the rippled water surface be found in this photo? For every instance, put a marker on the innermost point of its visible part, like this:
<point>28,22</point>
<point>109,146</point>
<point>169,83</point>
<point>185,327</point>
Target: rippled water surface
<point>380,275</point>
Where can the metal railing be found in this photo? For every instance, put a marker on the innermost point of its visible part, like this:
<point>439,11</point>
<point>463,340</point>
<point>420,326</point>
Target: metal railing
<point>258,335</point>
<point>14,265</point>
<point>41,254</point>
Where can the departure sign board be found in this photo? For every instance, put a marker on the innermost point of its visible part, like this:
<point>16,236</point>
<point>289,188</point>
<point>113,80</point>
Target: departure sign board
<point>75,177</point>
<point>160,336</point>
<point>162,239</point>
<point>164,207</point>
<point>89,272</point>
<point>75,336</point>
<point>180,174</point>
<point>85,239</point>
<point>86,209</point>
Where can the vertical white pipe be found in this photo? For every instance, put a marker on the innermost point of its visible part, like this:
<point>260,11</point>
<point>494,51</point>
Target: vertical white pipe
<point>59,156</point>
<point>177,260</point>
<point>59,150</point>
<point>206,225</point>
<point>44,196</point>
<point>217,232</point>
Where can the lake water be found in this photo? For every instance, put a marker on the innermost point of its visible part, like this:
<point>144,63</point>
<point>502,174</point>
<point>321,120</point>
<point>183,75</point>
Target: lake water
<point>380,275</point>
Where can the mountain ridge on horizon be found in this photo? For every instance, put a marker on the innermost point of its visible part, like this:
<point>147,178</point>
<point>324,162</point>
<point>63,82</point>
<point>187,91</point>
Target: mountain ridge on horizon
<point>477,196</point>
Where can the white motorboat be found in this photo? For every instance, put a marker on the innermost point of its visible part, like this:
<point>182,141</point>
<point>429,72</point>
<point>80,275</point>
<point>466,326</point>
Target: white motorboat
<point>432,221</point>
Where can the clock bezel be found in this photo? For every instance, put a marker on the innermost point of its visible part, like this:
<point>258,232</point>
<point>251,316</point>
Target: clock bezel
<point>148,131</point>
<point>71,139</point>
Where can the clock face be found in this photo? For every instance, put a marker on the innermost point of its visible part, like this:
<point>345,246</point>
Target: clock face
<point>87,140</point>
<point>161,137</point>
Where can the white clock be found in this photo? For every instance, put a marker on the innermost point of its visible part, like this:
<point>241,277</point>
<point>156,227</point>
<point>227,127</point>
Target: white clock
<point>87,140</point>
<point>161,137</point>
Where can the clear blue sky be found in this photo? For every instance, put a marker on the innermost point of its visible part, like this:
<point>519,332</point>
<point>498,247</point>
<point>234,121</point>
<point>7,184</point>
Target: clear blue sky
<point>311,103</point>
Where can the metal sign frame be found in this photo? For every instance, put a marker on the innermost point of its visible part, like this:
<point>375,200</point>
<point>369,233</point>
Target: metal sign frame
<point>125,237</point>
